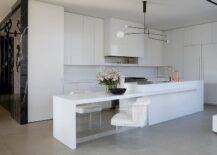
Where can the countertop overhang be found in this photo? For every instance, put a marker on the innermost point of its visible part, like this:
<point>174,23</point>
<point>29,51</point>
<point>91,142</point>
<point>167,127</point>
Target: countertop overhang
<point>138,91</point>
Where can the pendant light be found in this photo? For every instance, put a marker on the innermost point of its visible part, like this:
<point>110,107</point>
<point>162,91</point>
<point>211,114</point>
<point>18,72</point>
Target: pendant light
<point>150,35</point>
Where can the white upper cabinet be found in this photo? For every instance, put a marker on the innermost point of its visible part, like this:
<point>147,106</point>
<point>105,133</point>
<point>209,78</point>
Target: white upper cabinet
<point>129,45</point>
<point>152,53</point>
<point>192,63</point>
<point>196,38</point>
<point>73,39</point>
<point>173,51</point>
<point>214,32</point>
<point>188,36</point>
<point>206,33</point>
<point>88,41</point>
<point>99,42</point>
<point>199,34</point>
<point>84,40</point>
<point>155,52</point>
<point>192,35</point>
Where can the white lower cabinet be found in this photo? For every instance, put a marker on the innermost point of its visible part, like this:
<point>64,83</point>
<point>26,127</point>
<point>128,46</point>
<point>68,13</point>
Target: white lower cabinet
<point>83,40</point>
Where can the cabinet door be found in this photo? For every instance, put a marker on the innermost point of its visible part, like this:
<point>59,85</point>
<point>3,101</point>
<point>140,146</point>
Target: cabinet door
<point>99,41</point>
<point>206,33</point>
<point>145,61</point>
<point>173,51</point>
<point>73,39</point>
<point>210,74</point>
<point>188,36</point>
<point>214,32</point>
<point>152,53</point>
<point>156,52</point>
<point>88,41</point>
<point>192,63</point>
<point>134,46</point>
<point>196,35</point>
<point>134,43</point>
<point>114,45</point>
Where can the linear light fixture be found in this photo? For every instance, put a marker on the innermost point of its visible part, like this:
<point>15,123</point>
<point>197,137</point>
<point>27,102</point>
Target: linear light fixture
<point>147,31</point>
<point>215,3</point>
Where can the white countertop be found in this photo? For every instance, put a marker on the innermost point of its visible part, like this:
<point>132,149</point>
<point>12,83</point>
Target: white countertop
<point>98,97</point>
<point>138,91</point>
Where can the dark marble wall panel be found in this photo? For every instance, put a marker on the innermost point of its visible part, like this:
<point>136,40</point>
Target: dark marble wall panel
<point>24,64</point>
<point>18,99</point>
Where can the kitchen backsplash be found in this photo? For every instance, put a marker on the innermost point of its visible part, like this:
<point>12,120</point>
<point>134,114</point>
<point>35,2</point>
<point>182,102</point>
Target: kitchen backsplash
<point>83,78</point>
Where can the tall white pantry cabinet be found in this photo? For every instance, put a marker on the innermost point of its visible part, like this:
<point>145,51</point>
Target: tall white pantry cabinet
<point>195,56</point>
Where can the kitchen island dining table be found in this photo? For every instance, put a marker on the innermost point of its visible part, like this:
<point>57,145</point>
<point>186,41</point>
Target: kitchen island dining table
<point>167,101</point>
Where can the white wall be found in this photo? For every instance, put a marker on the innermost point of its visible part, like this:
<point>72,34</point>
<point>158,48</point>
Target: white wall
<point>192,50</point>
<point>81,78</point>
<point>45,58</point>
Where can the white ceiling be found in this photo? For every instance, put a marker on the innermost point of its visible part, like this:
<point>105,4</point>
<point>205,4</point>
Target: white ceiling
<point>162,14</point>
<point>5,6</point>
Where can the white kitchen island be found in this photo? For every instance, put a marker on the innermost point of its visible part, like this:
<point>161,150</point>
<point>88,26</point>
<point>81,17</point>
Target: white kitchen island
<point>168,101</point>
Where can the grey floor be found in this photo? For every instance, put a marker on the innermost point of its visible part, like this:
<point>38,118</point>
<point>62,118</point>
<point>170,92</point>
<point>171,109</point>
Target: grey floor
<point>189,135</point>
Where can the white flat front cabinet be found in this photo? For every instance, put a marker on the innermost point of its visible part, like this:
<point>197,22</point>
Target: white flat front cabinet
<point>99,41</point>
<point>88,41</point>
<point>73,39</point>
<point>156,53</point>
<point>113,44</point>
<point>196,35</point>
<point>84,40</point>
<point>152,53</point>
<point>210,73</point>
<point>206,33</point>
<point>187,36</point>
<point>214,32</point>
<point>134,46</point>
<point>173,51</point>
<point>192,63</point>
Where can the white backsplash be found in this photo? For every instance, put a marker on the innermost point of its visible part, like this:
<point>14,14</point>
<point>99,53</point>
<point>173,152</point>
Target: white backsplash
<point>83,78</point>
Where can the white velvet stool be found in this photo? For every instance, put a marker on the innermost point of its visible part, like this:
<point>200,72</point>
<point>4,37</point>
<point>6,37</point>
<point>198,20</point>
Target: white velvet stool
<point>138,117</point>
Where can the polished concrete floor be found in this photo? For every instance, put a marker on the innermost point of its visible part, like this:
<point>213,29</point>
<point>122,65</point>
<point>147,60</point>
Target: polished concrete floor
<point>189,135</point>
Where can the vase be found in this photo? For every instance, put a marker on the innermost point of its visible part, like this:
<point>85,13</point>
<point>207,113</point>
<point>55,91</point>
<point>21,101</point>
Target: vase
<point>109,87</point>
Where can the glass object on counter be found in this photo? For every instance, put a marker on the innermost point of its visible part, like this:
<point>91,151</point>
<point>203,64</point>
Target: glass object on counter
<point>175,76</point>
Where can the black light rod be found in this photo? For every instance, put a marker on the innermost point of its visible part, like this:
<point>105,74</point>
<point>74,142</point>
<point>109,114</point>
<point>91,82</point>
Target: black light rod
<point>215,3</point>
<point>134,27</point>
<point>144,6</point>
<point>153,34</point>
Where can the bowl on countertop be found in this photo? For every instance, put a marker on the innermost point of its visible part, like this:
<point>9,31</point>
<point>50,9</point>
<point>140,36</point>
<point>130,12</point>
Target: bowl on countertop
<point>118,91</point>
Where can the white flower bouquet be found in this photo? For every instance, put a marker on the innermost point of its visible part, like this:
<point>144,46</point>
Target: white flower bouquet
<point>108,78</point>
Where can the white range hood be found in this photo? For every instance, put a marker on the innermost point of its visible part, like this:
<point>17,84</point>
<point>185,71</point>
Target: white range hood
<point>128,46</point>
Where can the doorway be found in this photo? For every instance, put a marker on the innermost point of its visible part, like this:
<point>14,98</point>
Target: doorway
<point>6,72</point>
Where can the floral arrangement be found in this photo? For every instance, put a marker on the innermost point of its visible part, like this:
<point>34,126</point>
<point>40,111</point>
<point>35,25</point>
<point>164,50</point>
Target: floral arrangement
<point>108,78</point>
